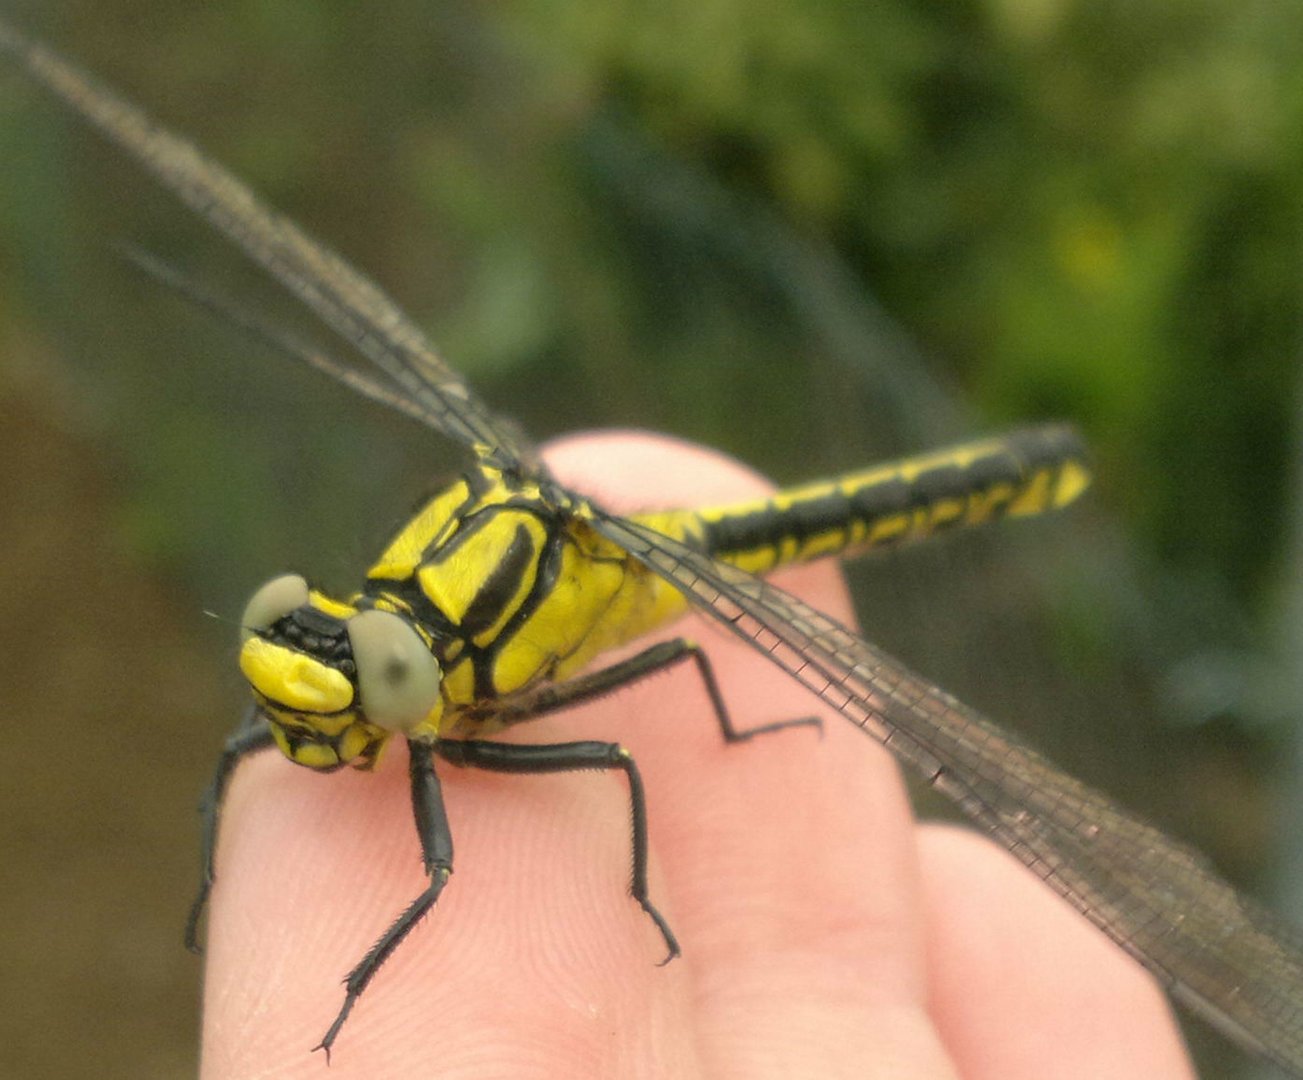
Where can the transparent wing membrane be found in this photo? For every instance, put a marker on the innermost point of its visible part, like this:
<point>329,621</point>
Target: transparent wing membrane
<point>1224,957</point>
<point>347,301</point>
<point>275,337</point>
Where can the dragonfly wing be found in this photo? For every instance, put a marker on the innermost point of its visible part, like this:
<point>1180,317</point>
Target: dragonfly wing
<point>346,300</point>
<point>1224,957</point>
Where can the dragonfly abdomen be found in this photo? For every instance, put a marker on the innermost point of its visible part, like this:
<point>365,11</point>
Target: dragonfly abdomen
<point>1028,472</point>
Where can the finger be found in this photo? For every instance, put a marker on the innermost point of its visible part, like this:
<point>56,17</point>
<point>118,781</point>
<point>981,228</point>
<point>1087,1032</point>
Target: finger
<point>1023,987</point>
<point>533,960</point>
<point>809,938</point>
<point>789,860</point>
<point>534,956</point>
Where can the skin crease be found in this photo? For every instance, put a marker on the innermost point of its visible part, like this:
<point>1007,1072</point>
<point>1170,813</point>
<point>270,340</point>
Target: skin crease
<point>825,934</point>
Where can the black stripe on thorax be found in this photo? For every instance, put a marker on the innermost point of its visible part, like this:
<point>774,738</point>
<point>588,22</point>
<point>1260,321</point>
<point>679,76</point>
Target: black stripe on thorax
<point>501,585</point>
<point>549,569</point>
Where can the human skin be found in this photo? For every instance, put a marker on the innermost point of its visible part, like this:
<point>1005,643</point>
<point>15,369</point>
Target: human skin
<point>825,933</point>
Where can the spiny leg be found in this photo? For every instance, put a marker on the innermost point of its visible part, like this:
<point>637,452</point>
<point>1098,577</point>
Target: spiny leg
<point>567,757</point>
<point>249,738</point>
<point>436,852</point>
<point>659,657</point>
<point>431,819</point>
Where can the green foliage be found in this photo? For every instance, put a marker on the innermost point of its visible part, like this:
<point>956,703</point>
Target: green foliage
<point>733,219</point>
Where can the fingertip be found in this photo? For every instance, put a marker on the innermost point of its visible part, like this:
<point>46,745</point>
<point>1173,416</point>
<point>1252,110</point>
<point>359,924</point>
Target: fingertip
<point>628,470</point>
<point>1019,978</point>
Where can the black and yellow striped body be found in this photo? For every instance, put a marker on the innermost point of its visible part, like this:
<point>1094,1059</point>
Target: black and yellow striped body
<point>1016,475</point>
<point>514,589</point>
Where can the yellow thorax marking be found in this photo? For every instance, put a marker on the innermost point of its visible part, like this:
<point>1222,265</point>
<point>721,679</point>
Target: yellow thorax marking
<point>454,583</point>
<point>432,524</point>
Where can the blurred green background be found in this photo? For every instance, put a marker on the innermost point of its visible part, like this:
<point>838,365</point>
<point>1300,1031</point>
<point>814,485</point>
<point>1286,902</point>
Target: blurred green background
<point>807,233</point>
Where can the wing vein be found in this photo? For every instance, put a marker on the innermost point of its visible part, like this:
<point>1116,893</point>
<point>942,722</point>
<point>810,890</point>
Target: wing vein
<point>1226,958</point>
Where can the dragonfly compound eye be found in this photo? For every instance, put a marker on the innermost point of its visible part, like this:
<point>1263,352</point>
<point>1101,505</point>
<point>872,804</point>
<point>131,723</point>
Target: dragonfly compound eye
<point>398,678</point>
<point>271,603</point>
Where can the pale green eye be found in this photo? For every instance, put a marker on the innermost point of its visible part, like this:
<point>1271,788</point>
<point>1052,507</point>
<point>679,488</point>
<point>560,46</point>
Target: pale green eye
<point>272,602</point>
<point>397,677</point>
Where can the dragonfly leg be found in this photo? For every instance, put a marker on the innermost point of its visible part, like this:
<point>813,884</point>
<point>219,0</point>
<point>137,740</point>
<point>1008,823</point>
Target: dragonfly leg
<point>664,654</point>
<point>436,852</point>
<point>249,738</point>
<point>568,757</point>
<point>732,734</point>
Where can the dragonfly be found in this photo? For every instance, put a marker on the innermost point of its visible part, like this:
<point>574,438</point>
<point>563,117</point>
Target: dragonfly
<point>490,608</point>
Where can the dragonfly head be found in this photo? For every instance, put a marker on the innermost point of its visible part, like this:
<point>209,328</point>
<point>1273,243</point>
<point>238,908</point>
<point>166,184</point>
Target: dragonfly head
<point>335,681</point>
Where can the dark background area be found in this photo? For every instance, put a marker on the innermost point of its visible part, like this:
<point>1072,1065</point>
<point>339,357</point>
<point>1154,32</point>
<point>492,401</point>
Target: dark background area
<point>807,234</point>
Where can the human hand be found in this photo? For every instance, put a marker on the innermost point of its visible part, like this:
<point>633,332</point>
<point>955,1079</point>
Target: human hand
<point>824,932</point>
